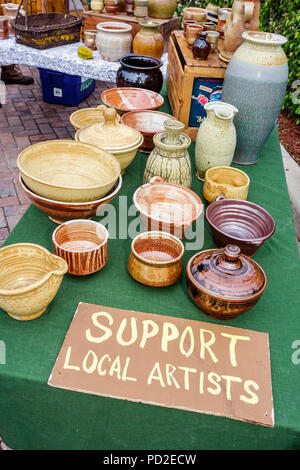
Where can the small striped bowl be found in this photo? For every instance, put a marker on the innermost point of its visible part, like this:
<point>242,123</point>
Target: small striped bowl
<point>82,244</point>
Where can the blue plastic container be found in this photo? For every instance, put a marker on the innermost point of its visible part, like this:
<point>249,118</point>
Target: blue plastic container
<point>61,88</point>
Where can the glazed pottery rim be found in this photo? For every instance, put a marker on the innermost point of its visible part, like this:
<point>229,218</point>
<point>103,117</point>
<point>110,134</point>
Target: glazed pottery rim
<point>264,38</point>
<point>157,63</point>
<point>253,241</point>
<point>149,23</point>
<point>108,196</point>
<point>120,27</point>
<point>146,111</point>
<point>195,10</point>
<point>159,97</point>
<point>198,206</point>
<point>224,297</point>
<point>77,221</point>
<point>162,236</point>
<point>220,167</point>
<point>34,285</point>
<point>67,141</point>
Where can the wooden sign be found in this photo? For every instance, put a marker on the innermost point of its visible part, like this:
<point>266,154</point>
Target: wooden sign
<point>167,361</point>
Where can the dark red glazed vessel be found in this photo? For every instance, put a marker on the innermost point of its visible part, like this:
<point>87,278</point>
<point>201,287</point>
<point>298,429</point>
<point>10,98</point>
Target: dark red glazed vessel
<point>240,222</point>
<point>224,283</point>
<point>201,47</point>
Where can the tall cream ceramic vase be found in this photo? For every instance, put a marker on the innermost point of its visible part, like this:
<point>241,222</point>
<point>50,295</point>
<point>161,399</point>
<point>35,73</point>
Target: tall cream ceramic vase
<point>216,138</point>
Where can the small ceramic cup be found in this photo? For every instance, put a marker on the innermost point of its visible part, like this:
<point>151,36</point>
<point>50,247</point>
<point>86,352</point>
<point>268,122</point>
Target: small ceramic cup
<point>192,33</point>
<point>186,23</point>
<point>213,38</point>
<point>225,181</point>
<point>82,244</point>
<point>209,26</point>
<point>156,259</point>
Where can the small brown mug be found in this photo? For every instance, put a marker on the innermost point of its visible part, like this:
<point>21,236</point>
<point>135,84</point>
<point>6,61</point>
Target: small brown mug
<point>192,33</point>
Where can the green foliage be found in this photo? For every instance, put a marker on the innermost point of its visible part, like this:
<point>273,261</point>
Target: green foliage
<point>281,17</point>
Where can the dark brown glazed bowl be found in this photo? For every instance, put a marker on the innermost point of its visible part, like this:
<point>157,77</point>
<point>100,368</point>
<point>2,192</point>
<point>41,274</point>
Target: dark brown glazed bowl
<point>60,212</point>
<point>148,123</point>
<point>240,222</point>
<point>224,283</point>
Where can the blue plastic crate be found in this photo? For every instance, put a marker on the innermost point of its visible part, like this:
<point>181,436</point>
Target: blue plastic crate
<point>61,88</point>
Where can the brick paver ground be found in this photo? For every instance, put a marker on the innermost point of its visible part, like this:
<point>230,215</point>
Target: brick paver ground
<point>26,119</point>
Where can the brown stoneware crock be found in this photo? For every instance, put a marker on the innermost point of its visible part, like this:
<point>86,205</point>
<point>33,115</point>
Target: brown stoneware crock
<point>224,283</point>
<point>243,223</point>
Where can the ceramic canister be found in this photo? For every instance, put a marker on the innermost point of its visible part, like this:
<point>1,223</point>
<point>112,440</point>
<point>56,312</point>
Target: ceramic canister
<point>113,40</point>
<point>255,82</point>
<point>148,40</point>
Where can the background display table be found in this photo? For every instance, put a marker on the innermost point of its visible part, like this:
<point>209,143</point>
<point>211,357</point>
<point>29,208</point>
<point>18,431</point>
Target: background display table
<point>62,59</point>
<point>34,415</point>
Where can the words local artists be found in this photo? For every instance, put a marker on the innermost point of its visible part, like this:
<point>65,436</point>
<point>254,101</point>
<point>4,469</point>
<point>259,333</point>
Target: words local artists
<point>164,373</point>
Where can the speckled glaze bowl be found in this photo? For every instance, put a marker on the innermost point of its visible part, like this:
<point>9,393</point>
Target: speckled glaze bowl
<point>167,207</point>
<point>30,277</point>
<point>242,223</point>
<point>156,259</point>
<point>82,244</point>
<point>224,283</point>
<point>60,212</point>
<point>225,181</point>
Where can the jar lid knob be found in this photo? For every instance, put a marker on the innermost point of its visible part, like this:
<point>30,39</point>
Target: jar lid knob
<point>110,116</point>
<point>232,252</point>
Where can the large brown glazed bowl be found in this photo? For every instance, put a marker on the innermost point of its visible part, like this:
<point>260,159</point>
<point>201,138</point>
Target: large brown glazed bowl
<point>60,212</point>
<point>242,223</point>
<point>224,283</point>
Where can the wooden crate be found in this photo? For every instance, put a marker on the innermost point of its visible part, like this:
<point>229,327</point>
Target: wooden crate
<point>91,19</point>
<point>192,83</point>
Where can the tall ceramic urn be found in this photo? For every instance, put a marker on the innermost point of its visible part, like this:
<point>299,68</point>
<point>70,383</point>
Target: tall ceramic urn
<point>255,83</point>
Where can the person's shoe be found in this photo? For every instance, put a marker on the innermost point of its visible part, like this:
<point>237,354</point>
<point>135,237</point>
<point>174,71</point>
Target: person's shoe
<point>11,74</point>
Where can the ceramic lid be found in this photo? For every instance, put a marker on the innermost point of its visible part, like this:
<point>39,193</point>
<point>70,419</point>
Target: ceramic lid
<point>172,138</point>
<point>227,273</point>
<point>111,135</point>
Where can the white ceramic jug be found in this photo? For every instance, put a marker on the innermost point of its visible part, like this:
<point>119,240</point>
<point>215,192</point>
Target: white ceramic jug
<point>216,138</point>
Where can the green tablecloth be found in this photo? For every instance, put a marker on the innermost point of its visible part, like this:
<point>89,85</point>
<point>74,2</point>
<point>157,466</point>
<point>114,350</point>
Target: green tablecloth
<point>34,415</point>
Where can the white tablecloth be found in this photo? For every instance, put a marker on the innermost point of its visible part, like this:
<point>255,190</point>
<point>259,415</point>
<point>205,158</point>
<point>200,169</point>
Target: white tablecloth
<point>62,59</point>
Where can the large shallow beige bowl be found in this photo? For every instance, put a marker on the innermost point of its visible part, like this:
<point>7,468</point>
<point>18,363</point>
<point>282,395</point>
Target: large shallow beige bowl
<point>69,171</point>
<point>30,277</point>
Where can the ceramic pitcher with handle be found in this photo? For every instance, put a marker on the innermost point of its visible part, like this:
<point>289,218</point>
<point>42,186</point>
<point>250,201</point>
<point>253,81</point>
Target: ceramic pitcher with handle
<point>216,138</point>
<point>244,17</point>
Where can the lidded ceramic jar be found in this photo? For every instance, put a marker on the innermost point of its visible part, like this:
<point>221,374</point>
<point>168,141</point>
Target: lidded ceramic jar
<point>216,137</point>
<point>170,158</point>
<point>113,40</point>
<point>120,140</point>
<point>255,82</point>
<point>163,9</point>
<point>224,283</point>
<point>149,41</point>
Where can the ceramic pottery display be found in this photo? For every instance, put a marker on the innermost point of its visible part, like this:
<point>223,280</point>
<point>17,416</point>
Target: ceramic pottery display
<point>156,259</point>
<point>255,82</point>
<point>222,17</point>
<point>86,116</point>
<point>244,17</point>
<point>170,157</point>
<point>113,40</point>
<point>83,245</point>
<point>163,9</point>
<point>116,138</point>
<point>30,277</point>
<point>216,137</point>
<point>129,7</point>
<point>129,99</point>
<point>66,170</point>
<point>224,283</point>
<point>192,32</point>
<point>197,14</point>
<point>141,9</point>
<point>225,181</point>
<point>201,47</point>
<point>167,207</point>
<point>243,223</point>
<point>97,6</point>
<point>60,212</point>
<point>89,38</point>
<point>149,41</point>
<point>111,6</point>
<point>212,13</point>
<point>148,123</point>
<point>140,71</point>
<point>213,39</point>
